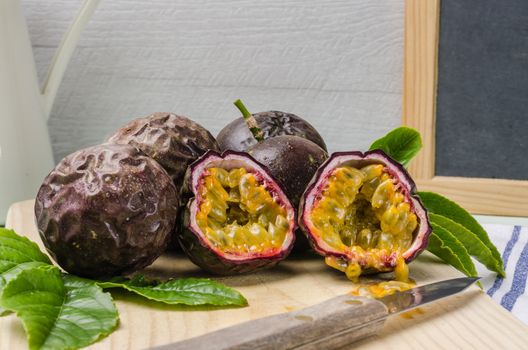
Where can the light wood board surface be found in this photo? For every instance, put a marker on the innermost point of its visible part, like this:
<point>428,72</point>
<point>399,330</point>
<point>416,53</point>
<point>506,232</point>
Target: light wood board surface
<point>468,320</point>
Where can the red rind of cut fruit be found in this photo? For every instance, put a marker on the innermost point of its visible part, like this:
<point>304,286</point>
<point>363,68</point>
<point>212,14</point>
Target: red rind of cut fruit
<point>359,159</point>
<point>194,242</point>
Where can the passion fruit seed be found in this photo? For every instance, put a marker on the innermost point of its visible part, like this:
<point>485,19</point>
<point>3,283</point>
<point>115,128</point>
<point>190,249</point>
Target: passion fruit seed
<point>238,215</point>
<point>352,271</point>
<point>336,263</point>
<point>362,212</point>
<point>401,271</point>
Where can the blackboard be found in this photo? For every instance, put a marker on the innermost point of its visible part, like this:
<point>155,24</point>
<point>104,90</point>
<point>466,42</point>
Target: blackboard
<point>482,91</point>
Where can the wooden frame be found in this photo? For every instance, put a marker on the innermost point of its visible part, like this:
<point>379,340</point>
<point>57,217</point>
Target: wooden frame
<point>478,195</point>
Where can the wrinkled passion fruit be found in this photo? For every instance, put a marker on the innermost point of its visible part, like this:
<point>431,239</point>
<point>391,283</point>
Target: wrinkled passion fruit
<point>106,210</point>
<point>172,140</point>
<point>239,219</point>
<point>361,212</point>
<point>237,137</point>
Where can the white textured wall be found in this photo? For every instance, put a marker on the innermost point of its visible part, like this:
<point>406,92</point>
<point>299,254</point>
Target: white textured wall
<point>336,63</point>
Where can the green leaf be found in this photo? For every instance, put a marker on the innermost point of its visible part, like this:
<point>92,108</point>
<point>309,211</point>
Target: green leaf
<point>7,276</point>
<point>16,250</point>
<point>401,144</point>
<point>447,247</point>
<point>14,271</point>
<point>188,291</point>
<point>470,241</point>
<point>59,312</point>
<point>440,205</point>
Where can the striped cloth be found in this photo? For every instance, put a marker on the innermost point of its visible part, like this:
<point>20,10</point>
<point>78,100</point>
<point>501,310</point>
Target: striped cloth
<point>510,292</point>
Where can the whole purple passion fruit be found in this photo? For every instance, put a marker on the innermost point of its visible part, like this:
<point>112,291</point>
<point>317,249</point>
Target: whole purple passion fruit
<point>237,137</point>
<point>239,219</point>
<point>172,140</point>
<point>106,210</point>
<point>291,160</point>
<point>361,212</point>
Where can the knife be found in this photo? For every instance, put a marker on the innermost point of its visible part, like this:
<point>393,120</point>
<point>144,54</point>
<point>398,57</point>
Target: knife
<point>329,325</point>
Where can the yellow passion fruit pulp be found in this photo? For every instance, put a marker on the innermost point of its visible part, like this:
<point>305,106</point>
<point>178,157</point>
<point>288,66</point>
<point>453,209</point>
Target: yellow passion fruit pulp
<point>238,215</point>
<point>363,218</point>
<point>238,218</point>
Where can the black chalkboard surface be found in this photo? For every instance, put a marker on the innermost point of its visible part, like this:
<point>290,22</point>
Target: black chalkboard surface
<point>482,96</point>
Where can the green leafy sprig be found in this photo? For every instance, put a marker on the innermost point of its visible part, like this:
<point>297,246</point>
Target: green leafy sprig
<point>62,311</point>
<point>401,144</point>
<point>188,291</point>
<point>456,234</point>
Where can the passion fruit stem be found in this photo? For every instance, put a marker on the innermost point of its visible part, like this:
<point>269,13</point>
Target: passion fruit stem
<point>250,121</point>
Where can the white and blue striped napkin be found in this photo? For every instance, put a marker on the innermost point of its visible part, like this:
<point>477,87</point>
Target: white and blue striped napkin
<point>510,292</point>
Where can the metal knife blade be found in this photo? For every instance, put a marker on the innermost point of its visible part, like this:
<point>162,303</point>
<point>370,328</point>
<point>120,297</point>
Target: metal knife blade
<point>418,296</point>
<point>328,325</point>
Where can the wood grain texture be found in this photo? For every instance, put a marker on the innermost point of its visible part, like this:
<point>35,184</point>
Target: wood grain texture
<point>419,79</point>
<point>482,196</point>
<point>336,63</point>
<point>477,195</point>
<point>468,320</point>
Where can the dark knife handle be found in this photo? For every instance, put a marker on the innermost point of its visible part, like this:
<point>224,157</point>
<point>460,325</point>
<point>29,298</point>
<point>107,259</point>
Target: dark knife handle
<point>328,325</point>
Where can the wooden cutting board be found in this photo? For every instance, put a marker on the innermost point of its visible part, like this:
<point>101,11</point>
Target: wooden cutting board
<point>468,320</point>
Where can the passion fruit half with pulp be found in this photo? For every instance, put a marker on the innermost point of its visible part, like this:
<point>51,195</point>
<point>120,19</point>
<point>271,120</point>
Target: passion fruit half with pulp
<point>238,219</point>
<point>362,213</point>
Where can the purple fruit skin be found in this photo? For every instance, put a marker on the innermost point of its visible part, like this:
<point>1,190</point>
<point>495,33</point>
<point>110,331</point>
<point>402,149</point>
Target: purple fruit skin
<point>198,250</point>
<point>106,210</point>
<point>173,141</point>
<point>292,161</point>
<point>403,176</point>
<point>237,137</point>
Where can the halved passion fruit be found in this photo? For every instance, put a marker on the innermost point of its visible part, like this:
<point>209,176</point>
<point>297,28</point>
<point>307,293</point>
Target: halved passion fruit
<point>360,211</point>
<point>240,219</point>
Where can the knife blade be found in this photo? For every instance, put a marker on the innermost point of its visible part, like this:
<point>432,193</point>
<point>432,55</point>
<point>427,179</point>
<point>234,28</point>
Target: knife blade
<point>422,295</point>
<point>328,325</point>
